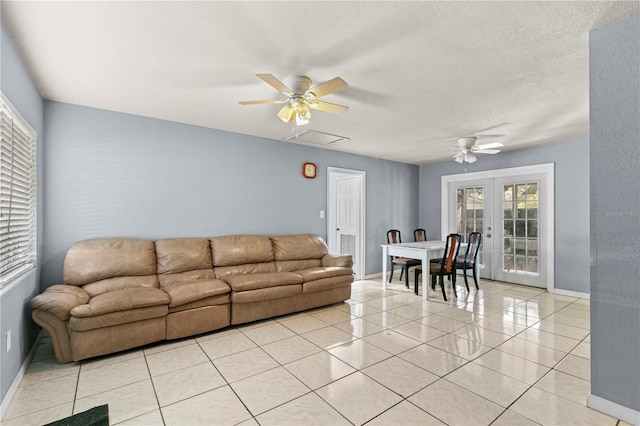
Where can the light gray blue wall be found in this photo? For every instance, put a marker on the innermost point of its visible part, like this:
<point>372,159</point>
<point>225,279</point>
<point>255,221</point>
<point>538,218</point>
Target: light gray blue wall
<point>615,213</point>
<point>110,174</point>
<point>571,201</point>
<point>15,311</point>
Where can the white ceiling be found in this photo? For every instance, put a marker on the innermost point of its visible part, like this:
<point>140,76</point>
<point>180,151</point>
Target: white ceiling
<point>421,74</point>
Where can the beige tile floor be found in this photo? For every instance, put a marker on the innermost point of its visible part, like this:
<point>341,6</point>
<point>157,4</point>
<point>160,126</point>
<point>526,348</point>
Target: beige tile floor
<point>503,355</point>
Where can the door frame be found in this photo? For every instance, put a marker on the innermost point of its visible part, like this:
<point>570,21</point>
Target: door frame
<point>548,215</point>
<point>332,174</point>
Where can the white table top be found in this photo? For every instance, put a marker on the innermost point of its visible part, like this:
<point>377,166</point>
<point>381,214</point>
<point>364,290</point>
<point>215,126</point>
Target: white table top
<point>433,244</point>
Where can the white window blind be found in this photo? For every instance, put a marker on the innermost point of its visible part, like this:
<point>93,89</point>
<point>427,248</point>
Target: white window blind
<point>17,195</point>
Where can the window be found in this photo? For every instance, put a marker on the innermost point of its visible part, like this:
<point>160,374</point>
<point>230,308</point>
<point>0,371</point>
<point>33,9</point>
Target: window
<point>17,194</point>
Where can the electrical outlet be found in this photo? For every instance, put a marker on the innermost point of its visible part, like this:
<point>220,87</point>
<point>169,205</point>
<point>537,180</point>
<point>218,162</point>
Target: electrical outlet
<point>8,341</point>
<point>321,214</point>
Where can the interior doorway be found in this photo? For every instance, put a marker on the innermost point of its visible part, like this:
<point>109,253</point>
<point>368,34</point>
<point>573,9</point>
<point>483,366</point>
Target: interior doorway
<point>346,217</point>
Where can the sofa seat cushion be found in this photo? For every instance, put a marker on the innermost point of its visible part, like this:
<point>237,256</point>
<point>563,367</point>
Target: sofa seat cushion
<point>191,291</point>
<point>119,283</point>
<point>262,294</point>
<point>247,282</point>
<point>223,299</point>
<point>313,274</point>
<point>122,300</point>
<point>181,277</point>
<point>327,283</point>
<point>297,265</point>
<point>110,319</point>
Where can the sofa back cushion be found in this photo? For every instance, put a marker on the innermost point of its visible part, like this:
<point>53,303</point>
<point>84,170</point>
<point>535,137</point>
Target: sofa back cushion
<point>108,264</point>
<point>299,247</point>
<point>298,252</point>
<point>242,254</point>
<point>184,260</point>
<point>177,255</point>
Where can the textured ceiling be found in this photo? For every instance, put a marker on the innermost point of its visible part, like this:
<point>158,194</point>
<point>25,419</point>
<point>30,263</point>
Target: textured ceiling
<point>421,74</point>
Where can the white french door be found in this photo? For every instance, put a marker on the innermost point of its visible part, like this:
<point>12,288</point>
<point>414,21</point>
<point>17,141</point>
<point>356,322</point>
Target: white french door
<point>471,211</point>
<point>513,209</point>
<point>522,232</point>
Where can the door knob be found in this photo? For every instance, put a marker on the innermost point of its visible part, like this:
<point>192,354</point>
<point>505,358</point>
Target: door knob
<point>488,235</point>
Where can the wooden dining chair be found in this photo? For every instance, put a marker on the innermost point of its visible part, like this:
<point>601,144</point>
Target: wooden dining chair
<point>446,266</point>
<point>470,258</point>
<point>394,237</point>
<point>419,235</point>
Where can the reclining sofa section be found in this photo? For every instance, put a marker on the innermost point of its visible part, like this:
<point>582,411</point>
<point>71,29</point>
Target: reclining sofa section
<point>123,293</point>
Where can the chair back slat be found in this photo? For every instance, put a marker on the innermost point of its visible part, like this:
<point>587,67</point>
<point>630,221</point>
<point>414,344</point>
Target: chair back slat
<point>393,236</point>
<point>475,238</point>
<point>451,249</point>
<point>420,235</point>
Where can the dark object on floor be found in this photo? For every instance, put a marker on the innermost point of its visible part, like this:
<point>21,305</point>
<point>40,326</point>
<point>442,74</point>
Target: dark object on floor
<point>97,416</point>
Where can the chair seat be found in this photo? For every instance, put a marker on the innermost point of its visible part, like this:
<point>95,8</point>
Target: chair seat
<point>406,261</point>
<point>434,268</point>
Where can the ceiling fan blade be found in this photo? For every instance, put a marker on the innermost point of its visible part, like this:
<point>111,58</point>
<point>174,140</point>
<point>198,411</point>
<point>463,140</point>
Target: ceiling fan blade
<point>262,102</point>
<point>486,151</point>
<point>328,87</point>
<point>275,83</point>
<point>490,145</point>
<point>328,107</point>
<point>286,113</point>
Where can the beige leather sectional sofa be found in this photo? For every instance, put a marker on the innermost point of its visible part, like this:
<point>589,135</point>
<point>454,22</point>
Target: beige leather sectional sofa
<point>123,293</point>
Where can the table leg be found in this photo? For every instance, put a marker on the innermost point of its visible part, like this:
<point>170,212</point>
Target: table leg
<point>425,274</point>
<point>385,256</point>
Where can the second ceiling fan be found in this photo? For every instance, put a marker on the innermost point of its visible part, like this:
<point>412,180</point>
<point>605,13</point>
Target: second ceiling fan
<point>301,97</point>
<point>468,149</point>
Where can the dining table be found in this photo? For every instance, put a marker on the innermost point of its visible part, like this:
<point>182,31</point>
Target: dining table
<point>422,250</point>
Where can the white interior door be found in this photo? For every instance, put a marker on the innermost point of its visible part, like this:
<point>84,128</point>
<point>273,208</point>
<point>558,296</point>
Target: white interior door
<point>346,221</point>
<point>348,213</point>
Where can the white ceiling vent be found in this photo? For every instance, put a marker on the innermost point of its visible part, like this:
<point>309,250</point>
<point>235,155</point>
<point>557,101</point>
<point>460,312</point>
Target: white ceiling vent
<point>315,137</point>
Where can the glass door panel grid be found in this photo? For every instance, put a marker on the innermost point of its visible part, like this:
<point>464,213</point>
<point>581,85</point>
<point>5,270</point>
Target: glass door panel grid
<point>470,214</point>
<point>520,224</point>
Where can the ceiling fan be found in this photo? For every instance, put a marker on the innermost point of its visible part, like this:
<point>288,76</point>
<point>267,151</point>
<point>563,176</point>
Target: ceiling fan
<point>302,98</point>
<point>468,149</point>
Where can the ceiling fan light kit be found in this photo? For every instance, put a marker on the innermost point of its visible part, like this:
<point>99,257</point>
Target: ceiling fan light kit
<point>302,98</point>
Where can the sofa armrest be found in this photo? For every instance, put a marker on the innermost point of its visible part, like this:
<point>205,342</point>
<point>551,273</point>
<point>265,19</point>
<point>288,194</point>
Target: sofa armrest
<point>337,260</point>
<point>59,299</point>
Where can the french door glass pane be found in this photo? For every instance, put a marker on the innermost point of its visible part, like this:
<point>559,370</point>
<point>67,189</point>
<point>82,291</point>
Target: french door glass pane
<point>520,225</point>
<point>470,213</point>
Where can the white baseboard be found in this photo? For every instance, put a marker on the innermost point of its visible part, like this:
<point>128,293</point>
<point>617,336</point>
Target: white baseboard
<point>614,410</point>
<point>4,405</point>
<point>372,276</point>
<point>570,293</point>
